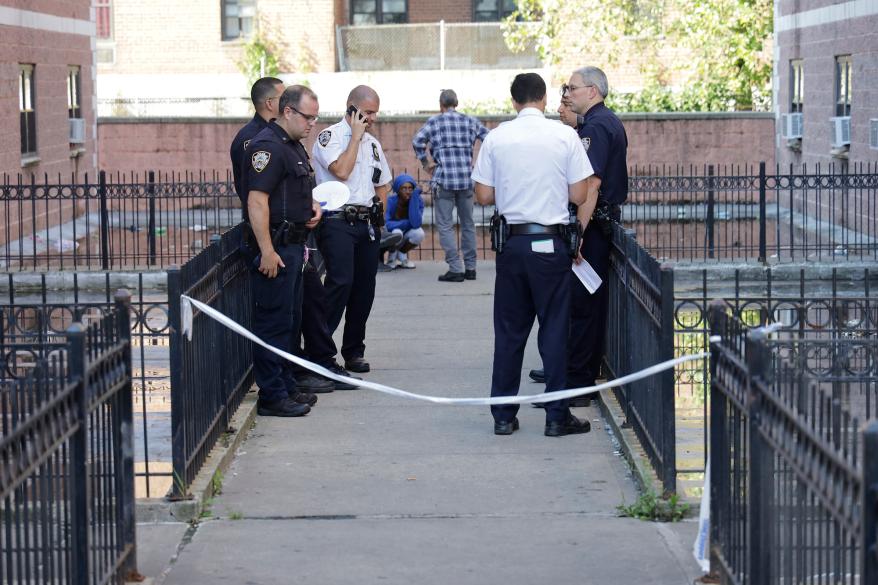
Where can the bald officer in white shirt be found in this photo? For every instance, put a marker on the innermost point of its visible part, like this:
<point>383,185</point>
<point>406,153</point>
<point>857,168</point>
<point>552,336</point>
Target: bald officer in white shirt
<point>530,167</point>
<point>348,240</point>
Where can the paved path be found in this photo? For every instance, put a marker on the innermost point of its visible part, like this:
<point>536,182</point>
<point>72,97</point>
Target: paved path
<point>374,489</point>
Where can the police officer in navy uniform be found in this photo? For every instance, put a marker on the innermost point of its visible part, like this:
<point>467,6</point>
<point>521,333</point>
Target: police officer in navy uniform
<point>281,209</point>
<point>606,143</point>
<point>349,238</point>
<point>531,168</point>
<point>265,95</point>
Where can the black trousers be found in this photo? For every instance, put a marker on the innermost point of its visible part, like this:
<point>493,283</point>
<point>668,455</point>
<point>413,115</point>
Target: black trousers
<point>277,312</point>
<point>351,257</point>
<point>588,313</point>
<point>530,284</point>
<point>315,343</point>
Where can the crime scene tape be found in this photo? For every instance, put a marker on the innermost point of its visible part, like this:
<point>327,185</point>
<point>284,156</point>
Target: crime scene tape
<point>186,304</point>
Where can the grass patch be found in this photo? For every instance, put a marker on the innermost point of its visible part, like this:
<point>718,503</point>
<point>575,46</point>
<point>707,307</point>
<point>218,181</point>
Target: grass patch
<point>651,507</point>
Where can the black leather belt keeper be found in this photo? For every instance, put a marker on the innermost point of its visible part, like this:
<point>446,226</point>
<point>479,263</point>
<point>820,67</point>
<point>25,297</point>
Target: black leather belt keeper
<point>533,229</point>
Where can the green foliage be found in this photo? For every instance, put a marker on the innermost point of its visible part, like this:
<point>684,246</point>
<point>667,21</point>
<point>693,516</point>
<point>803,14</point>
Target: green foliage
<point>236,515</point>
<point>216,483</point>
<point>259,50</point>
<point>655,509</point>
<point>721,48</point>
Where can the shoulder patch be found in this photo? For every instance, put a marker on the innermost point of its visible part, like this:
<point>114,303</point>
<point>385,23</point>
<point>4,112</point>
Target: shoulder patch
<point>375,151</point>
<point>586,142</point>
<point>324,137</point>
<point>246,144</point>
<point>260,159</point>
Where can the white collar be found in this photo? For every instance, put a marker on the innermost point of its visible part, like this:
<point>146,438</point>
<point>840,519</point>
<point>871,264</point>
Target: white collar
<point>531,112</point>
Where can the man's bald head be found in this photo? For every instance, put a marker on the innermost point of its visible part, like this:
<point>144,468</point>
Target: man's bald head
<point>366,100</point>
<point>362,93</point>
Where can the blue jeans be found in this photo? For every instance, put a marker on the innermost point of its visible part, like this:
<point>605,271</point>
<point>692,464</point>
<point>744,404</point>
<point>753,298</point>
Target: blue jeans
<point>445,201</point>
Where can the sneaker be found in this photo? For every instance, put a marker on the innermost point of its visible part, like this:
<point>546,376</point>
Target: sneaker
<point>470,274</point>
<point>337,369</point>
<point>382,267</point>
<point>313,384</point>
<point>394,264</point>
<point>285,407</point>
<point>451,277</point>
<point>405,263</point>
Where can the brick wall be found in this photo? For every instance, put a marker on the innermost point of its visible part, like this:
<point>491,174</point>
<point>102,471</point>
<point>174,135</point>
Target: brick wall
<point>51,53</point>
<point>818,46</point>
<point>78,9</point>
<point>432,11</point>
<point>202,144</point>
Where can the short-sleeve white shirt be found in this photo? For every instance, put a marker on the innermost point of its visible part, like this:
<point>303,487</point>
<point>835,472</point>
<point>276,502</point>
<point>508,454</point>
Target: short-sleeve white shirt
<point>330,145</point>
<point>530,162</point>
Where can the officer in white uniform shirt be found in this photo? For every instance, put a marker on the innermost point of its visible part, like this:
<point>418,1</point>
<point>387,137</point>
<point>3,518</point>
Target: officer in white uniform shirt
<point>348,238</point>
<point>530,167</point>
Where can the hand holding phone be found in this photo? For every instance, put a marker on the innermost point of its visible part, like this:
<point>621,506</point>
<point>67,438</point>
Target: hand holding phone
<point>359,124</point>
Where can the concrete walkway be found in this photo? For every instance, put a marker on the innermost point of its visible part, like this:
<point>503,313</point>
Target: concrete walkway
<point>374,489</point>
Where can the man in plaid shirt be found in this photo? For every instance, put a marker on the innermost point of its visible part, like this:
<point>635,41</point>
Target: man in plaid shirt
<point>451,136</point>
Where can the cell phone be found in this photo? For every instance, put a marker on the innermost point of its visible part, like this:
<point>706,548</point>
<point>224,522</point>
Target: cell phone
<point>353,111</point>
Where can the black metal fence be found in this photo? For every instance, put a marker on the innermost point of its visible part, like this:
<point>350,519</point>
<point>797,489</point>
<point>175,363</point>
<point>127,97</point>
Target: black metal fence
<point>66,461</point>
<point>37,311</point>
<point>793,471</point>
<point>211,374</point>
<point>119,221</point>
<point>734,212</point>
<point>714,213</point>
<point>639,335</point>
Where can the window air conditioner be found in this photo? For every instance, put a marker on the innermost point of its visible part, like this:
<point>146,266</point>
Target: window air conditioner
<point>792,125</point>
<point>77,131</point>
<point>873,133</point>
<point>841,131</point>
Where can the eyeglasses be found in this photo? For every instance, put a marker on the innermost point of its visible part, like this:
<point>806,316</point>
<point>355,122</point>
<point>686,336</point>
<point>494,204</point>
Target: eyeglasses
<point>308,117</point>
<point>566,88</point>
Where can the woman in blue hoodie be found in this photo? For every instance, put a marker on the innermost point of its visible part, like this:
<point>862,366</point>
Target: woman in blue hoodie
<point>405,211</point>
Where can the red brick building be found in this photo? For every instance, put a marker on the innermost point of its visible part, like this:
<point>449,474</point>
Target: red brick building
<point>47,87</point>
<point>826,82</point>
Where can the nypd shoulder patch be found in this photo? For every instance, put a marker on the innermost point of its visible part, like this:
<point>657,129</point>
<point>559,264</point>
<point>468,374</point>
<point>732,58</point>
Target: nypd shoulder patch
<point>586,142</point>
<point>324,137</point>
<point>259,160</point>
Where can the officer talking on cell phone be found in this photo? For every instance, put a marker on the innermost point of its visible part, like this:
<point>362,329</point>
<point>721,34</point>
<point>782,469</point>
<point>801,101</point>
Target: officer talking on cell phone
<point>349,237</point>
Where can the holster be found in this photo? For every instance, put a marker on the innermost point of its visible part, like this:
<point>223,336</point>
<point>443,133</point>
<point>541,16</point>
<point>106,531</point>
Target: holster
<point>573,237</point>
<point>499,232</point>
<point>376,212</point>
<point>602,219</point>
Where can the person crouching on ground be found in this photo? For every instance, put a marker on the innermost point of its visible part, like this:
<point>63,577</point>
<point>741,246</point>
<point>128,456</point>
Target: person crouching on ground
<point>405,212</point>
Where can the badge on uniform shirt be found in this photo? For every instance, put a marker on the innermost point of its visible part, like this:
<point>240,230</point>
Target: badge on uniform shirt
<point>375,151</point>
<point>260,159</point>
<point>324,137</point>
<point>586,142</point>
<point>246,144</point>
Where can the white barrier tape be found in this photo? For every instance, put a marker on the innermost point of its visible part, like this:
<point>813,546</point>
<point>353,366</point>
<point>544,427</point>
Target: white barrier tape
<point>186,307</point>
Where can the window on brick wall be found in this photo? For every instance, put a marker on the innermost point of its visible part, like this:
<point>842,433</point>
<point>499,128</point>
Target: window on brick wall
<point>492,10</point>
<point>797,85</point>
<point>74,110</point>
<point>379,11</point>
<point>27,109</point>
<point>843,85</point>
<point>238,18</point>
<point>104,19</point>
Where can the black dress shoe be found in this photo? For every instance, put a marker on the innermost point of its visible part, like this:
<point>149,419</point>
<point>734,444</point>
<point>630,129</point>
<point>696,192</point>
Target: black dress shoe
<point>572,426</point>
<point>538,376</point>
<point>313,384</point>
<point>357,364</point>
<point>452,277</point>
<point>284,407</point>
<point>304,398</point>
<point>337,369</point>
<point>505,427</point>
<point>469,274</point>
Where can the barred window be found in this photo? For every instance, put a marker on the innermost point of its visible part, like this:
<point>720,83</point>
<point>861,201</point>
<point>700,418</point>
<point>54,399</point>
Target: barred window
<point>27,109</point>
<point>238,18</point>
<point>379,12</point>
<point>843,85</point>
<point>796,85</point>
<point>492,10</point>
<point>104,18</point>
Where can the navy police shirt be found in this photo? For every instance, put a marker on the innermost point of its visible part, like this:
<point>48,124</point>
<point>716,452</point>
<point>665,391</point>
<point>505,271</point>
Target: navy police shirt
<point>604,139</point>
<point>238,153</point>
<point>279,166</point>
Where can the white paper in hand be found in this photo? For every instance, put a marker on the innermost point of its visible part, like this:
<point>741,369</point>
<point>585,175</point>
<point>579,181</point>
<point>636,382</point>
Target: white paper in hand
<point>587,276</point>
<point>331,195</point>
